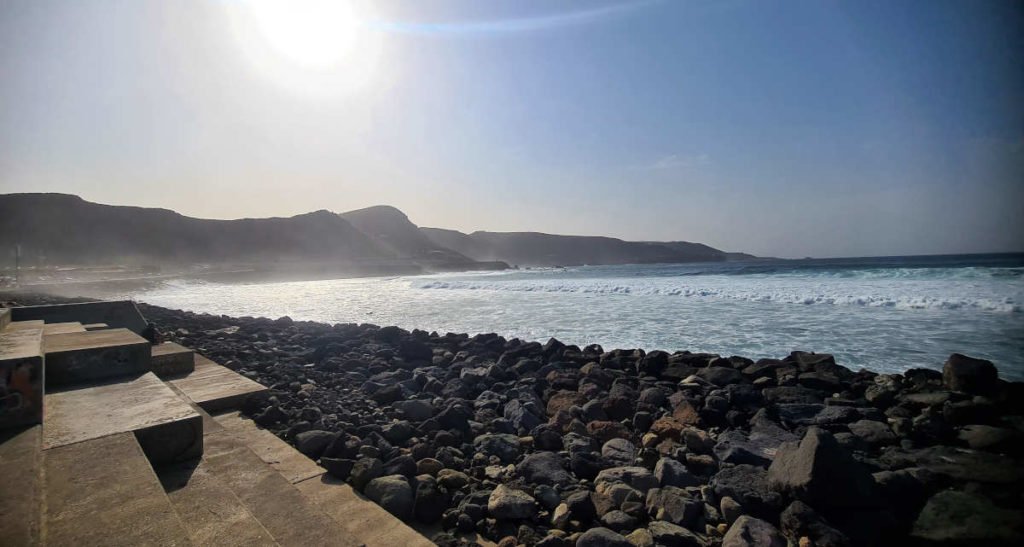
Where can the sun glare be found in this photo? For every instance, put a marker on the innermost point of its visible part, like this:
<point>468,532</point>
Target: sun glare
<point>314,45</point>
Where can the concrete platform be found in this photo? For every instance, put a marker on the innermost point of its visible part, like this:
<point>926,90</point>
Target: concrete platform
<point>96,326</point>
<point>62,328</point>
<point>121,314</point>
<point>24,325</point>
<point>215,388</point>
<point>22,375</point>
<point>167,428</point>
<point>209,510</point>
<point>364,520</point>
<point>169,359</point>
<point>104,492</point>
<point>20,486</point>
<point>83,357</point>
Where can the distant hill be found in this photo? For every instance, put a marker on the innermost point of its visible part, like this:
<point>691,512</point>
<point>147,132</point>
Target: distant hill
<point>393,231</point>
<point>538,249</point>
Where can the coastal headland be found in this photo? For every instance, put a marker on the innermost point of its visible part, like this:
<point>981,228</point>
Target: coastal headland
<point>548,444</point>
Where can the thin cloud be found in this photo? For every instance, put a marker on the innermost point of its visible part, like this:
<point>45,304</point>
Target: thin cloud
<point>524,24</point>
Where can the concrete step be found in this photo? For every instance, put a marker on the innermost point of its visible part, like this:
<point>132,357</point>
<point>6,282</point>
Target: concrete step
<point>20,485</point>
<point>170,359</point>
<point>95,326</point>
<point>25,325</point>
<point>21,367</point>
<point>213,387</point>
<point>5,317</point>
<point>83,357</point>
<point>208,508</point>
<point>364,520</point>
<point>290,518</point>
<point>104,492</point>
<point>62,328</point>
<point>167,428</point>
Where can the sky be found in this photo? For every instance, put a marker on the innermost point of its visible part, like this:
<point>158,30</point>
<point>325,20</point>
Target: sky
<point>798,128</point>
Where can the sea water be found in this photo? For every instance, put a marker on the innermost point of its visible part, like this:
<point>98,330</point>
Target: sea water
<point>886,314</point>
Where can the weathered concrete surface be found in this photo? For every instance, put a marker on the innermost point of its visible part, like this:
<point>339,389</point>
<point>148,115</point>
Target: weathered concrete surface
<point>23,325</point>
<point>20,485</point>
<point>62,328</point>
<point>167,428</point>
<point>364,520</point>
<point>96,326</point>
<point>5,317</point>
<point>169,359</point>
<point>215,388</point>
<point>21,366</point>
<point>81,357</point>
<point>209,510</point>
<point>118,314</point>
<point>290,517</point>
<point>103,492</point>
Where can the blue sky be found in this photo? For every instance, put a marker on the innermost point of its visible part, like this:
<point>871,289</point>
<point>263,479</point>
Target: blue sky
<point>797,128</point>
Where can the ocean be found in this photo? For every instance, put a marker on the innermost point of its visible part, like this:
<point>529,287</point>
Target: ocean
<point>886,314</point>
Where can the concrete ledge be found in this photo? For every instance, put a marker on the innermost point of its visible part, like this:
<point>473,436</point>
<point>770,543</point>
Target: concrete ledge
<point>62,328</point>
<point>5,317</point>
<point>169,359</point>
<point>21,486</point>
<point>104,492</point>
<point>167,428</point>
<point>215,388</point>
<point>82,357</point>
<point>96,326</point>
<point>118,314</point>
<point>22,371</point>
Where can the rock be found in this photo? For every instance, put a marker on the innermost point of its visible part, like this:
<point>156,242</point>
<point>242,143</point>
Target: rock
<point>618,520</point>
<point>873,433</point>
<point>393,493</point>
<point>520,416</point>
<point>313,443</point>
<point>398,432</point>
<point>619,452</point>
<point>337,467</point>
<point>509,504</point>
<point>670,472</point>
<point>560,517</point>
<point>504,446</point>
<point>671,535</point>
<point>721,376</point>
<point>748,485</point>
<point>601,537</point>
<point>986,437</point>
<point>635,477</point>
<point>752,532</point>
<point>581,506</point>
<point>364,471</point>
<point>957,464</point>
<point>543,468</point>
<point>969,375</point>
<point>641,537</point>
<point>451,479</point>
<point>823,474</point>
<point>586,465</point>
<point>800,521</point>
<point>430,501</point>
<point>731,510</point>
<point>605,431</point>
<point>401,465</point>
<point>416,410</point>
<point>564,400</point>
<point>428,466</point>
<point>674,505</point>
<point>951,516</point>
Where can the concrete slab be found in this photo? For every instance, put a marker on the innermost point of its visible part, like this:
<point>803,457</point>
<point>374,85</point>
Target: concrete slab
<point>62,328</point>
<point>82,357</point>
<point>96,326</point>
<point>278,454</point>
<point>21,376</point>
<point>169,359</point>
<point>167,428</point>
<point>121,314</point>
<point>25,325</point>
<point>290,517</point>
<point>103,492</point>
<point>5,317</point>
<point>21,486</point>
<point>363,519</point>
<point>215,388</point>
<point>209,510</point>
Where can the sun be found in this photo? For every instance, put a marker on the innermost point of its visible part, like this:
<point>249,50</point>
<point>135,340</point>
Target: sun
<point>318,45</point>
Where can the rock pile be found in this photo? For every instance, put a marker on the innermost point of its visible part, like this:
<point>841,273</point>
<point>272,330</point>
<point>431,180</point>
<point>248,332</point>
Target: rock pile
<point>555,445</point>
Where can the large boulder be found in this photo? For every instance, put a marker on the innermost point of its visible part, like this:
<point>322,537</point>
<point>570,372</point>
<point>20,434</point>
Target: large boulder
<point>393,493</point>
<point>313,443</point>
<point>748,485</point>
<point>510,504</point>
<point>822,473</point>
<point>748,531</point>
<point>502,445</point>
<point>635,477</point>
<point>671,535</point>
<point>416,410</point>
<point>543,468</point>
<point>674,505</point>
<point>970,375</point>
<point>800,520</point>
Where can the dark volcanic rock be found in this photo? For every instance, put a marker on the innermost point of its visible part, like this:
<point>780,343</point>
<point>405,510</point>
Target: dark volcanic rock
<point>509,504</point>
<point>952,517</point>
<point>543,468</point>
<point>748,531</point>
<point>799,520</point>
<point>393,493</point>
<point>822,473</point>
<point>975,376</point>
<point>602,537</point>
<point>748,485</point>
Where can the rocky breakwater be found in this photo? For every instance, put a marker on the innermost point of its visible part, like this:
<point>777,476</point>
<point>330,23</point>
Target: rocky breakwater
<point>556,445</point>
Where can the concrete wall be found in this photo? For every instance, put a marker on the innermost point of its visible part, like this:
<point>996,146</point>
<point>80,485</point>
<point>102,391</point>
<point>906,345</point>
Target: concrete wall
<point>120,314</point>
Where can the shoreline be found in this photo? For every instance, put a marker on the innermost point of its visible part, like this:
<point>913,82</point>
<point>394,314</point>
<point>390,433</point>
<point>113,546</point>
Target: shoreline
<point>557,445</point>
